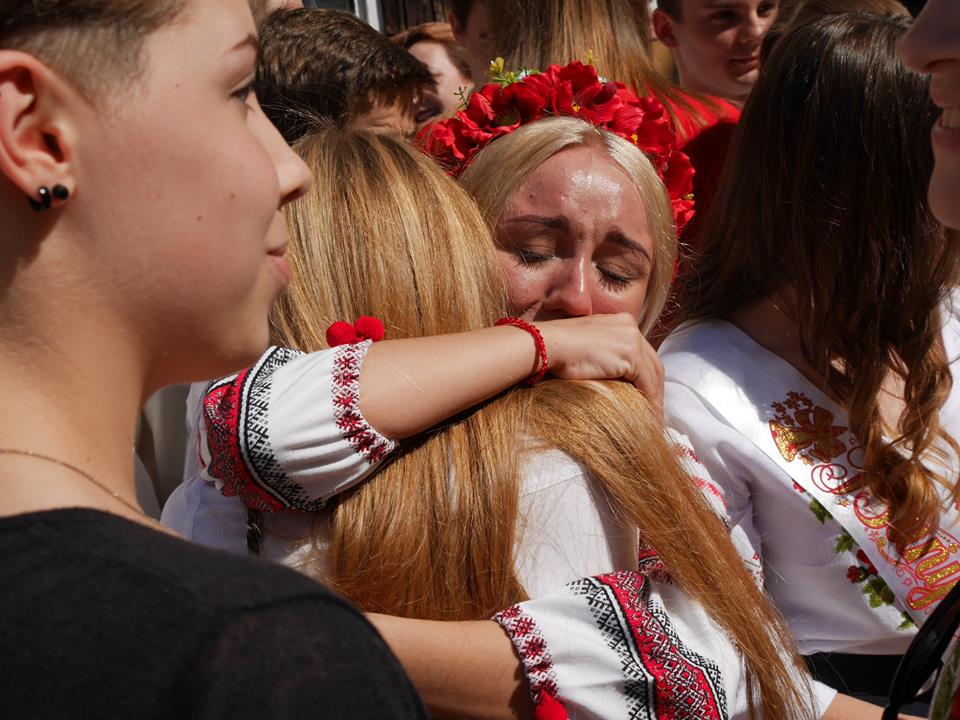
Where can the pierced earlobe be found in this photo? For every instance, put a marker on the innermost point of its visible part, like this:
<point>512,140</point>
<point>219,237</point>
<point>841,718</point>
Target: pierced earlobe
<point>45,201</point>
<point>60,192</point>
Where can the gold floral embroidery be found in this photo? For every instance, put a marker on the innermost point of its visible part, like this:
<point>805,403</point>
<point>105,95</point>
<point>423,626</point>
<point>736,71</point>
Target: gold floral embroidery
<point>804,429</point>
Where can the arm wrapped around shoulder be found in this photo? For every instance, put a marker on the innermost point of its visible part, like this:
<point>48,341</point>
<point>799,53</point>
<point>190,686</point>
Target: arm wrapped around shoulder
<point>287,433</point>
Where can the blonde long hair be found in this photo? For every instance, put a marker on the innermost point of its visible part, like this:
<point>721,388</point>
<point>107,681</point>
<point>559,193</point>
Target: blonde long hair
<point>434,534</point>
<point>613,34</point>
<point>498,171</point>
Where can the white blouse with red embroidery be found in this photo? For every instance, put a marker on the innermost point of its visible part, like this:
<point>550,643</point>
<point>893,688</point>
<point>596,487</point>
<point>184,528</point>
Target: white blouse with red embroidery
<point>286,435</point>
<point>824,583</point>
<point>631,645</point>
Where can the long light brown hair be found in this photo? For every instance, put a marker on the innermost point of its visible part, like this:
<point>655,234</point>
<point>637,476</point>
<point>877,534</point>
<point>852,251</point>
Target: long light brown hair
<point>615,33</point>
<point>434,534</point>
<point>826,198</point>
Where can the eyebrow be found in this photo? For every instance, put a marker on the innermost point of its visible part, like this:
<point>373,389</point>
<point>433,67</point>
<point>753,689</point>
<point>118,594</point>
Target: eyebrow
<point>251,41</point>
<point>560,223</point>
<point>618,238</point>
<point>554,223</point>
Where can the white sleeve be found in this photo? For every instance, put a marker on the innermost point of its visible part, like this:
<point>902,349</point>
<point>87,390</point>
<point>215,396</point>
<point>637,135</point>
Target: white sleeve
<point>568,528</point>
<point>715,499</point>
<point>723,454</point>
<point>624,646</point>
<point>287,433</point>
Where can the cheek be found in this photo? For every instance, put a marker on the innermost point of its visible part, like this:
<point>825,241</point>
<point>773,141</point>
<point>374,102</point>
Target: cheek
<point>626,301</point>
<point>196,239</point>
<point>526,285</point>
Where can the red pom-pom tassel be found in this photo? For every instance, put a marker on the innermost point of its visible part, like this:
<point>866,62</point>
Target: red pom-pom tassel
<point>343,333</point>
<point>369,328</point>
<point>549,708</point>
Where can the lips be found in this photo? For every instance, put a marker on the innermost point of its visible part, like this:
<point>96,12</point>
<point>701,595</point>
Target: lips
<point>950,118</point>
<point>746,64</point>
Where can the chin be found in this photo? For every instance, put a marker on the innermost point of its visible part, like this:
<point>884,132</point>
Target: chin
<point>741,86</point>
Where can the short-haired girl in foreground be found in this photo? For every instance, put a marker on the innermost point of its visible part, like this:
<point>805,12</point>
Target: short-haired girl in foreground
<point>113,210</point>
<point>817,377</point>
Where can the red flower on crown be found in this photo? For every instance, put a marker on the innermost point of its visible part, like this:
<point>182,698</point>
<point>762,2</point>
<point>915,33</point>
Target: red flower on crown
<point>573,90</point>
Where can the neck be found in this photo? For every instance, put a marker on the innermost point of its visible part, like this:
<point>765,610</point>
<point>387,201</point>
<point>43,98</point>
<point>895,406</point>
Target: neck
<point>71,392</point>
<point>771,328</point>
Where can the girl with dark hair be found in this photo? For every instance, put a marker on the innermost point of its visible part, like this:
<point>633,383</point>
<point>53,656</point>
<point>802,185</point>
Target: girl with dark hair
<point>815,375</point>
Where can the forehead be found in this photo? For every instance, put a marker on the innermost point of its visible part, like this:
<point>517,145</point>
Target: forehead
<point>429,52</point>
<point>585,182</point>
<point>205,31</point>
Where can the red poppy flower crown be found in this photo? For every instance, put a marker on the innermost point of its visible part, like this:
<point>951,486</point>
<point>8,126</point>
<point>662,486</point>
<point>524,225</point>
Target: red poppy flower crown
<point>575,90</point>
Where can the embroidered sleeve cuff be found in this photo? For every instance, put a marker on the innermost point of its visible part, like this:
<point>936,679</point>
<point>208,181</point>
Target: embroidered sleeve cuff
<point>615,646</point>
<point>287,433</point>
<point>345,392</point>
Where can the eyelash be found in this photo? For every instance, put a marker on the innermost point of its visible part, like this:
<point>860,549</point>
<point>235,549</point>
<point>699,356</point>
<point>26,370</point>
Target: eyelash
<point>608,280</point>
<point>525,257</point>
<point>244,93</point>
<point>612,281</point>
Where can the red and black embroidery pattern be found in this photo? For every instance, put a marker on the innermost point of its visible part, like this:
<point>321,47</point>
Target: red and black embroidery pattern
<point>236,411</point>
<point>537,664</point>
<point>663,679</point>
<point>373,446</point>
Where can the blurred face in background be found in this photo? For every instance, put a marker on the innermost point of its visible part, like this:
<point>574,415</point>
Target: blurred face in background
<point>388,114</point>
<point>476,38</point>
<point>932,46</point>
<point>451,83</point>
<point>716,43</point>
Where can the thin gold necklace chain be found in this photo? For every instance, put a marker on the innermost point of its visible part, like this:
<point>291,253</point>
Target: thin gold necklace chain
<point>82,473</point>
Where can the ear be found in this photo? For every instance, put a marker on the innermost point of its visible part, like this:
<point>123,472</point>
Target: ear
<point>456,27</point>
<point>37,124</point>
<point>663,27</point>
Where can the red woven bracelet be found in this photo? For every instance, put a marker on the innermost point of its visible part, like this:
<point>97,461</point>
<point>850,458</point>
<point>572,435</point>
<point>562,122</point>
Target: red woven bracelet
<point>537,340</point>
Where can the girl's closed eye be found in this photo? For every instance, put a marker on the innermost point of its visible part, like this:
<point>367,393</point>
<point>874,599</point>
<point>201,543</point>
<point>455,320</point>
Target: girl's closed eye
<point>532,256</point>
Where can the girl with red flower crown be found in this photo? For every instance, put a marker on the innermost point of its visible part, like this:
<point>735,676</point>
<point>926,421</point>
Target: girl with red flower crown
<point>512,163</point>
<point>522,498</point>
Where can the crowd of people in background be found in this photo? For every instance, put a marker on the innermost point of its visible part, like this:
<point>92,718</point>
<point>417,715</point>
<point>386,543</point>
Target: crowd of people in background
<point>567,359</point>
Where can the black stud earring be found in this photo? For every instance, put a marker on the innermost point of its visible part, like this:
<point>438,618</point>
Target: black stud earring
<point>60,192</point>
<point>45,201</point>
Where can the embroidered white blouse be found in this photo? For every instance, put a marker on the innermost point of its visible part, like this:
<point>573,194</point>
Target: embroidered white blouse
<point>287,433</point>
<point>823,583</point>
<point>272,439</point>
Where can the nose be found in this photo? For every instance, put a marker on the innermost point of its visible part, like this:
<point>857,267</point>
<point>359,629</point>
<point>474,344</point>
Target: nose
<point>293,175</point>
<point>569,294</point>
<point>753,30</point>
<point>930,36</point>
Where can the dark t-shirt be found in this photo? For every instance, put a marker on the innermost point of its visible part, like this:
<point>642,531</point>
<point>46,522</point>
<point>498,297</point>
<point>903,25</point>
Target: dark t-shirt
<point>103,618</point>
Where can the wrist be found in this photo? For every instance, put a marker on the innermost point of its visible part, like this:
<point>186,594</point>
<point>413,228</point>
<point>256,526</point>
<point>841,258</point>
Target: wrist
<point>541,358</point>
